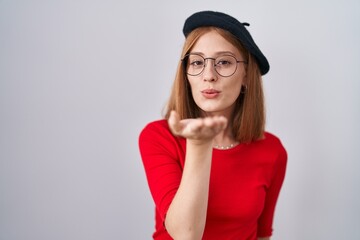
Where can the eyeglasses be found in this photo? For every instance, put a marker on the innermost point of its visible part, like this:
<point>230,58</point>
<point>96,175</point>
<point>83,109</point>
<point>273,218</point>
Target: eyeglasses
<point>224,65</point>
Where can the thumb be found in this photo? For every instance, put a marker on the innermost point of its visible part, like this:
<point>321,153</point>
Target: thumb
<point>174,122</point>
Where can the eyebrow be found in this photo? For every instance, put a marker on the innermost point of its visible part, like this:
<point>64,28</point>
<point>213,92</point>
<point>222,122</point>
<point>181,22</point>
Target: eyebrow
<point>216,53</point>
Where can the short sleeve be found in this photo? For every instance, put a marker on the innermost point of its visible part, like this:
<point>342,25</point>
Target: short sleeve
<point>160,152</point>
<point>265,221</point>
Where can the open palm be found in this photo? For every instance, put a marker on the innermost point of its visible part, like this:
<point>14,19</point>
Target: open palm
<point>197,128</point>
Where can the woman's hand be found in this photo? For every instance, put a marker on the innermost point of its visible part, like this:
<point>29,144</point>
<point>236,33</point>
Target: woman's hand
<point>186,215</point>
<point>197,129</point>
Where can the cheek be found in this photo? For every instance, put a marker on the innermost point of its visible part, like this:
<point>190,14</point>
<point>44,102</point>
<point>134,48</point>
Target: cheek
<point>234,93</point>
<point>193,86</point>
<point>234,89</point>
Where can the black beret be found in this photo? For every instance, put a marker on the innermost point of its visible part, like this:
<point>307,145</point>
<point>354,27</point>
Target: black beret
<point>226,22</point>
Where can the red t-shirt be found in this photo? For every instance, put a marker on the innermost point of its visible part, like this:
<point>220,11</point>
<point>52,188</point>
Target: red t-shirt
<point>245,182</point>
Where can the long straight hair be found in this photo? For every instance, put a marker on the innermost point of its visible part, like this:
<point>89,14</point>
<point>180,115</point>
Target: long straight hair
<point>248,118</point>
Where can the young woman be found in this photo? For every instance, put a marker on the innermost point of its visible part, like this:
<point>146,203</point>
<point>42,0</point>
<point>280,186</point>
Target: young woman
<point>213,171</point>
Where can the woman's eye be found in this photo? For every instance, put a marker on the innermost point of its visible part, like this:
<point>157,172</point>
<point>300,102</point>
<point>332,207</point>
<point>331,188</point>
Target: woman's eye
<point>197,63</point>
<point>223,62</point>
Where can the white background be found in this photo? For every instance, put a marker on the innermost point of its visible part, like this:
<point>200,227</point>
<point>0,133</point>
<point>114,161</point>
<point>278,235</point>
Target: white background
<point>80,79</point>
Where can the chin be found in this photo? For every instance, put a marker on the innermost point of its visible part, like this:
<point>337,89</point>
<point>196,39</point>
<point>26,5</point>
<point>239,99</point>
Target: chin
<point>214,110</point>
<point>222,110</point>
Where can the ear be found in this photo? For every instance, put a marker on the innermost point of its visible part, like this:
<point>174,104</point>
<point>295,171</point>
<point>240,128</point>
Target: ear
<point>244,79</point>
<point>243,88</point>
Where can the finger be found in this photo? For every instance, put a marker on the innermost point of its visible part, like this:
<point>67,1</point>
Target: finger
<point>208,121</point>
<point>215,124</point>
<point>195,126</point>
<point>222,122</point>
<point>174,122</point>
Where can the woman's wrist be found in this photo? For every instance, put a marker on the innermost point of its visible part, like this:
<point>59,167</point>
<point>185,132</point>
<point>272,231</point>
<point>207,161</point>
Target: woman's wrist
<point>200,142</point>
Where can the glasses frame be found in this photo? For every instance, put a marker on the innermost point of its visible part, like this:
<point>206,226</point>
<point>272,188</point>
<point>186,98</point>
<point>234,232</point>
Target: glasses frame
<point>186,57</point>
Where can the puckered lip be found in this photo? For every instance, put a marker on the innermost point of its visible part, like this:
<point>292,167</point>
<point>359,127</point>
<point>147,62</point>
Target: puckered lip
<point>210,91</point>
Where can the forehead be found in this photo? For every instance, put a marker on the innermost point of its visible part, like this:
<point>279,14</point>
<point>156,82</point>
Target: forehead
<point>212,43</point>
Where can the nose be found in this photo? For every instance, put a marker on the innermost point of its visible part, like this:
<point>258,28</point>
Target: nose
<point>209,73</point>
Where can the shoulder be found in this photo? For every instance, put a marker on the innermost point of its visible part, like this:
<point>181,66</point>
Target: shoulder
<point>157,132</point>
<point>272,139</point>
<point>155,127</point>
<point>271,145</point>
<point>156,138</point>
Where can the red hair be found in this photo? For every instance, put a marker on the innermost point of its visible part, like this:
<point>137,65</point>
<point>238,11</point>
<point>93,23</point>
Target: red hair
<point>248,119</point>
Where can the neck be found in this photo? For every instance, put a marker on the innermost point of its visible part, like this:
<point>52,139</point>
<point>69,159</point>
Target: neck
<point>225,112</point>
<point>225,139</point>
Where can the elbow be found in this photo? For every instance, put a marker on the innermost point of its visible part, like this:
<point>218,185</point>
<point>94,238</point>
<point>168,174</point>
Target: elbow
<point>184,232</point>
<point>185,235</point>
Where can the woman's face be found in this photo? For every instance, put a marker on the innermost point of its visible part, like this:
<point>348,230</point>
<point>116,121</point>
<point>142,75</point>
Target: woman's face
<point>213,93</point>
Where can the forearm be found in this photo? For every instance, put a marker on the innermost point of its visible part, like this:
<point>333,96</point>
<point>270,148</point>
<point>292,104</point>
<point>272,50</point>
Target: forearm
<point>186,215</point>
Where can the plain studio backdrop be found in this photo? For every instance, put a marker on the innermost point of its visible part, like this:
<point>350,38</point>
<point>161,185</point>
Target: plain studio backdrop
<point>80,79</point>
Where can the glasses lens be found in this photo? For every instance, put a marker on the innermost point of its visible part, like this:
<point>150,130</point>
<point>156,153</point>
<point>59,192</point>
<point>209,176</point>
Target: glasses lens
<point>225,65</point>
<point>194,64</point>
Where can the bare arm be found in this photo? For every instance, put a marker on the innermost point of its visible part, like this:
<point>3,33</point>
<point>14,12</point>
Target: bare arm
<point>185,218</point>
<point>267,238</point>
